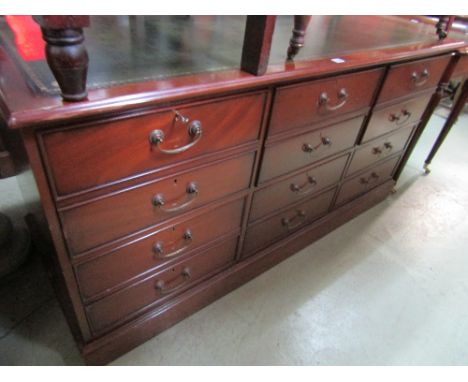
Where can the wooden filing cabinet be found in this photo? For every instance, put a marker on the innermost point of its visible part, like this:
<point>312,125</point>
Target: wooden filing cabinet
<point>156,204</point>
<point>157,208</point>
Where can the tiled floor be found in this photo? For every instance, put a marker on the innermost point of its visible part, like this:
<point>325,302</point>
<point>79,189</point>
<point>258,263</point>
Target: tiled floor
<point>390,287</point>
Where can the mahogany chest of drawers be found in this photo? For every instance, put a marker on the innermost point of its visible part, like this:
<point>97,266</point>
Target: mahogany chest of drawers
<point>156,209</point>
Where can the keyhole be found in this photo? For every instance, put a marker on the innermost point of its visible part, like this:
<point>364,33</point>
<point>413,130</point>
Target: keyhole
<point>175,181</point>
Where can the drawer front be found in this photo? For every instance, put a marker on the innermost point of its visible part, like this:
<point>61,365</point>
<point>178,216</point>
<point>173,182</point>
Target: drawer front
<point>366,181</point>
<point>308,148</point>
<point>109,218</point>
<point>393,117</point>
<point>83,158</point>
<point>160,287</point>
<point>379,149</point>
<point>303,104</point>
<point>157,248</point>
<point>265,232</point>
<point>413,77</point>
<point>295,188</point>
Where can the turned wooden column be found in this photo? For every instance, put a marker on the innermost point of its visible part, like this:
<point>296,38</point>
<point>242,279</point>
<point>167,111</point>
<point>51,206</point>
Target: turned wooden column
<point>66,54</point>
<point>298,35</point>
<point>444,25</point>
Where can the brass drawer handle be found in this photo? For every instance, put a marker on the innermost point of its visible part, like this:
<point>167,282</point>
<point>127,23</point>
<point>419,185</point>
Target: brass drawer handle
<point>191,193</point>
<point>387,146</point>
<point>164,288</point>
<point>406,116</point>
<point>309,148</point>
<point>299,217</point>
<point>376,150</point>
<point>303,190</point>
<point>400,119</point>
<point>194,130</point>
<point>420,79</point>
<point>158,247</point>
<point>372,177</point>
<point>324,100</point>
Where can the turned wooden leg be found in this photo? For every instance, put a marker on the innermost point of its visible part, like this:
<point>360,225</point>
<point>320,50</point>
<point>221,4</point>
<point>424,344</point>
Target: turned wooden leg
<point>66,54</point>
<point>298,35</point>
<point>443,26</point>
<point>451,120</point>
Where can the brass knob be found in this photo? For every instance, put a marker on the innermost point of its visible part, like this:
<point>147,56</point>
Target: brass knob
<point>294,187</point>
<point>188,235</point>
<point>158,248</point>
<point>393,117</point>
<point>194,128</point>
<point>192,188</point>
<point>307,147</point>
<point>186,272</point>
<point>156,137</point>
<point>158,200</point>
<point>323,98</point>
<point>160,285</point>
<point>312,180</point>
<point>343,93</point>
<point>326,141</point>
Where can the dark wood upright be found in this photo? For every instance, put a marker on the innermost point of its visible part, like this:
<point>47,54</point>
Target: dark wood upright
<point>451,120</point>
<point>257,44</point>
